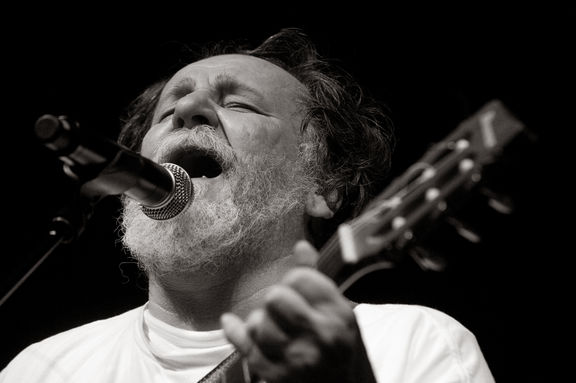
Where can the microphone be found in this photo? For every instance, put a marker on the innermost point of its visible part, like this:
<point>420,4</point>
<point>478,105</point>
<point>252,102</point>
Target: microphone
<point>107,168</point>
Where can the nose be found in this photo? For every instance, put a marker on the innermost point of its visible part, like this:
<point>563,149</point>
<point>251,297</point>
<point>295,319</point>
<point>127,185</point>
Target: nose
<point>196,108</point>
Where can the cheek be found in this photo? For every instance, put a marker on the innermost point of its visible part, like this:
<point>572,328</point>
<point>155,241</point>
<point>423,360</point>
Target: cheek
<point>269,137</point>
<point>151,142</point>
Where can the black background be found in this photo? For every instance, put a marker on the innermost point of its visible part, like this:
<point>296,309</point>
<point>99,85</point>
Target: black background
<point>433,67</point>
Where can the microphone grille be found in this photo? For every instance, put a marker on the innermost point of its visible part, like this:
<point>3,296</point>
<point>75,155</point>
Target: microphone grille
<point>181,197</point>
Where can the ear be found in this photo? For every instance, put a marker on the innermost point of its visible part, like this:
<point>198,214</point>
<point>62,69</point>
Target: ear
<point>317,206</point>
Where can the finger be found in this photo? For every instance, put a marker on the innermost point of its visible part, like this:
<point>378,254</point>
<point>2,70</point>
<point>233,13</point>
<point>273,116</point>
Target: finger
<point>305,254</point>
<point>315,287</point>
<point>270,339</point>
<point>289,310</point>
<point>324,322</point>
<point>237,333</point>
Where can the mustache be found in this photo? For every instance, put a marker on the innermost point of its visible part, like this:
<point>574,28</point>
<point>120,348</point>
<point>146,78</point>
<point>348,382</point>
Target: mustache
<point>202,139</point>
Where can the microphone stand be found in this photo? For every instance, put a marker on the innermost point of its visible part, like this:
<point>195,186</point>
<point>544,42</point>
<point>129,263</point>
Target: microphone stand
<point>100,168</point>
<point>65,227</point>
<point>58,134</point>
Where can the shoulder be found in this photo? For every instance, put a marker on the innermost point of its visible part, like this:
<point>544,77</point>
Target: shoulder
<point>407,315</point>
<point>104,329</point>
<point>403,323</point>
<point>421,340</point>
<point>72,347</point>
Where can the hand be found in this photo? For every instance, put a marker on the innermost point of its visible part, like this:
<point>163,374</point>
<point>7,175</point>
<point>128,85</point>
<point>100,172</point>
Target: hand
<point>306,330</point>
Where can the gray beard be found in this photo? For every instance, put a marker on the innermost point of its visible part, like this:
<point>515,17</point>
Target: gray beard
<point>213,235</point>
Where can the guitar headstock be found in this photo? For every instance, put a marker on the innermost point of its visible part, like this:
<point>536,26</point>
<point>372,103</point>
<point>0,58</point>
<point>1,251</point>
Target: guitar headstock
<point>439,182</point>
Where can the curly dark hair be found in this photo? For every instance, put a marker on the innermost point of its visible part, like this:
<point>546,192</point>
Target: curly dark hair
<point>350,133</point>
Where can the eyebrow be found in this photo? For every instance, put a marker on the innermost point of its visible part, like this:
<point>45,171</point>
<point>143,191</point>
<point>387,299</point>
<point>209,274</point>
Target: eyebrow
<point>182,87</point>
<point>225,83</point>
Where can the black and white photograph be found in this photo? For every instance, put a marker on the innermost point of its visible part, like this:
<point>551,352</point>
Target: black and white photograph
<point>212,194</point>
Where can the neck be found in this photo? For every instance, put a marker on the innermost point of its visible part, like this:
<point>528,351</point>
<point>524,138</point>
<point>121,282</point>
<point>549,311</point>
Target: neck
<point>196,302</point>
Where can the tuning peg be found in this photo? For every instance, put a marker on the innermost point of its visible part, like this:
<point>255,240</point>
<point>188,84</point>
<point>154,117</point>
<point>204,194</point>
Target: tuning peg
<point>464,230</point>
<point>499,202</point>
<point>427,259</point>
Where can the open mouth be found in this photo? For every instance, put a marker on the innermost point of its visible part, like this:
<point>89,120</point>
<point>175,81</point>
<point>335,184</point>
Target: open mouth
<point>198,162</point>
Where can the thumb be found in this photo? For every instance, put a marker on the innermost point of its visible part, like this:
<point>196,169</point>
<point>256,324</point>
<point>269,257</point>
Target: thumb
<point>305,254</point>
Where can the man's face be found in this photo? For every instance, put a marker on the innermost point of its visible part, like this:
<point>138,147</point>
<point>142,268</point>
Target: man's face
<point>232,122</point>
<point>250,104</point>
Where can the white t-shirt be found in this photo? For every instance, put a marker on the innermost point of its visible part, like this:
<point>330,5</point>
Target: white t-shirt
<point>405,343</point>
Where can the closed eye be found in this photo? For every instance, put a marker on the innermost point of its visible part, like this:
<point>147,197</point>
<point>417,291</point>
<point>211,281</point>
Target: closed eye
<point>241,107</point>
<point>167,113</point>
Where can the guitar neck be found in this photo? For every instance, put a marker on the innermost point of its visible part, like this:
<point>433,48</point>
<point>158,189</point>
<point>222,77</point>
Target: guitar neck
<point>442,180</point>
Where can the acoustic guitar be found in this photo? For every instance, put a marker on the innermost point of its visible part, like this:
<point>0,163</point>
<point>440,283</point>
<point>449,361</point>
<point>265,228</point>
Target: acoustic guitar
<point>396,224</point>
